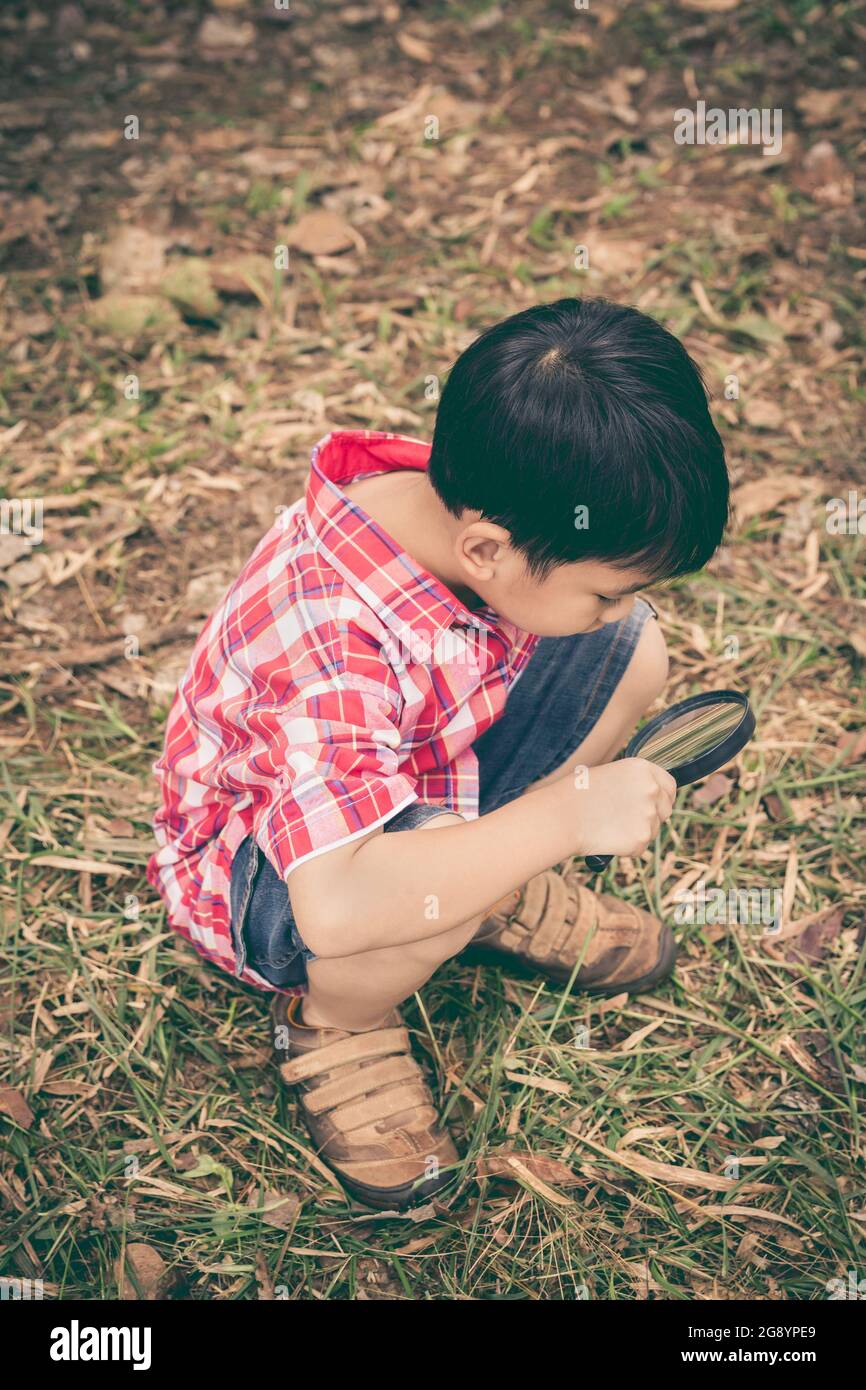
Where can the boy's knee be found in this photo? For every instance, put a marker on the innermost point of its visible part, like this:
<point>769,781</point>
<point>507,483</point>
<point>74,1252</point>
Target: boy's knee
<point>435,950</point>
<point>650,664</point>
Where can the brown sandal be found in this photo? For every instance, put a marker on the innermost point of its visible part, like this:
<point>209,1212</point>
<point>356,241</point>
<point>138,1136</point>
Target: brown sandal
<point>554,921</point>
<point>368,1107</point>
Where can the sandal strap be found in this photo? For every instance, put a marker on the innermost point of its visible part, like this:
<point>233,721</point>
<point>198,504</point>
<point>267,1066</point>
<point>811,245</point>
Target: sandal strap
<point>408,1095</point>
<point>556,917</point>
<point>361,1081</point>
<point>556,922</point>
<point>360,1047</point>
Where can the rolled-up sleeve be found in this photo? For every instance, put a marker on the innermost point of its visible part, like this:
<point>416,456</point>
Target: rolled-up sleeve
<point>336,756</point>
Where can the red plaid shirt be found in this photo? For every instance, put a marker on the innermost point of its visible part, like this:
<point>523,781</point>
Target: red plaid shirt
<point>336,683</point>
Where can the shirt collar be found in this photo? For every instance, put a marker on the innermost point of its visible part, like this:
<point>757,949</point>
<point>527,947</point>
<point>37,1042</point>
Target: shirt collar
<point>382,574</point>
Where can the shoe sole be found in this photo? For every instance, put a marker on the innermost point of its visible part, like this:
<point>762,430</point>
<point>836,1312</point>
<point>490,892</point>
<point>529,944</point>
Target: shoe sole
<point>409,1194</point>
<point>519,965</point>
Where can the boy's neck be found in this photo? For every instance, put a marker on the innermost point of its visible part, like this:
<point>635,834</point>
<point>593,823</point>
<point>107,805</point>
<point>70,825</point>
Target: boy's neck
<point>405,505</point>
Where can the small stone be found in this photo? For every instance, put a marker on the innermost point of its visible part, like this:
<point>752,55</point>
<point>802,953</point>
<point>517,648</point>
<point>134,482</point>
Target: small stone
<point>188,284</point>
<point>133,315</point>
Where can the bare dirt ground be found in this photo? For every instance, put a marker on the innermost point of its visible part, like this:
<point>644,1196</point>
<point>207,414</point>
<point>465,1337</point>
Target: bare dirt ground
<point>428,169</point>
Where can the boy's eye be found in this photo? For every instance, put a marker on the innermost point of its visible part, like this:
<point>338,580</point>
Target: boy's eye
<point>607,602</point>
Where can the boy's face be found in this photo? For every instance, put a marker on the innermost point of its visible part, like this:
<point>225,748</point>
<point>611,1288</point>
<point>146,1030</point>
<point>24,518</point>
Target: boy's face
<point>574,598</point>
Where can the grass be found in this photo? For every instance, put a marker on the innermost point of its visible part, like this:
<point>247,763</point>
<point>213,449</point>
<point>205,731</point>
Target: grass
<point>701,1142</point>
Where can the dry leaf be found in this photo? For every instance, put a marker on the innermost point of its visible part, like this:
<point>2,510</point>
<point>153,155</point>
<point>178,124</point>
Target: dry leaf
<point>276,1208</point>
<point>321,233</point>
<point>500,1163</point>
<point>541,1083</point>
<point>813,1051</point>
<point>821,106</point>
<point>13,1104</point>
<point>635,1039</point>
<point>216,35</point>
<point>145,1275</point>
<point>414,47</point>
<point>715,787</point>
<point>618,257</point>
<point>661,1172</point>
<point>853,749</point>
<point>765,494</point>
<point>710,6</point>
<point>764,414</point>
<point>811,939</point>
<point>82,866</point>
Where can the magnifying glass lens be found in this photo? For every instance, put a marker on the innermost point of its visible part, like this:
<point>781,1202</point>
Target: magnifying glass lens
<point>691,734</point>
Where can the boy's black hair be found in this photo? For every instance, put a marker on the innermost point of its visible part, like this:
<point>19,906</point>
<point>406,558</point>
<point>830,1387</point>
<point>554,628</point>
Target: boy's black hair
<point>583,403</point>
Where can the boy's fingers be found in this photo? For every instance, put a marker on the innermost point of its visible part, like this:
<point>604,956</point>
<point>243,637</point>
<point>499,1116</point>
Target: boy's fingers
<point>665,783</point>
<point>666,792</point>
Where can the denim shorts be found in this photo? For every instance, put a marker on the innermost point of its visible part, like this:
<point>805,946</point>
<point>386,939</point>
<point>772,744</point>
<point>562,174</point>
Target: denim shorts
<point>567,680</point>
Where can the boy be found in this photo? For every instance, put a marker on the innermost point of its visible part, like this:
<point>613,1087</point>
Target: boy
<point>442,641</point>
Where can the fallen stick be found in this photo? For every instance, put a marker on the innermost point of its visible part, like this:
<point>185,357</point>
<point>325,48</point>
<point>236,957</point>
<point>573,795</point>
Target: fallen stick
<point>94,653</point>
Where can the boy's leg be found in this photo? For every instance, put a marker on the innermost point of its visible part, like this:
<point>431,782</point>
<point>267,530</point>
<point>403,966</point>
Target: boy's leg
<point>357,993</point>
<point>368,1105</point>
<point>575,705</point>
<point>644,680</point>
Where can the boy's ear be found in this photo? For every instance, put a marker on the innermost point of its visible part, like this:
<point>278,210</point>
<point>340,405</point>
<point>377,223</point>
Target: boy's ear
<point>481,545</point>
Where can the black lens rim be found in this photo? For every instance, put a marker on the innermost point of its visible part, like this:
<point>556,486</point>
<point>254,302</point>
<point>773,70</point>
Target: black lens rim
<point>695,768</point>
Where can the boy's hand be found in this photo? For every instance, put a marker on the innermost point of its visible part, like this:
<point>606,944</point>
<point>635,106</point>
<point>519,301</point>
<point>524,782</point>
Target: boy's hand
<point>622,806</point>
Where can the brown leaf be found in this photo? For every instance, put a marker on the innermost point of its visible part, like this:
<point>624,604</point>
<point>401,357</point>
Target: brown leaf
<point>540,1083</point>
<point>710,6</point>
<point>13,1104</point>
<point>618,257</point>
<point>82,866</point>
<point>765,494</point>
<point>499,1163</point>
<point>764,414</point>
<point>824,177</point>
<point>263,1279</point>
<point>715,787</point>
<point>217,35</point>
<point>279,1209</point>
<point>415,48</point>
<point>321,233</point>
<point>12,548</point>
<point>820,106</point>
<point>676,1174</point>
<point>816,935</point>
<point>821,1059</point>
<point>773,806</point>
<point>145,1275</point>
<point>853,749</point>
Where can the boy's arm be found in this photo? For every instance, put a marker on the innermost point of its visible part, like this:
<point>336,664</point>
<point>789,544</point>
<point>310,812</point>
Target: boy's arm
<point>378,891</point>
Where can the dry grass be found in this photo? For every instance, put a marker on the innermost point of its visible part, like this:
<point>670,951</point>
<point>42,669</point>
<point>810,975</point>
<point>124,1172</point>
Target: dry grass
<point>702,1142</point>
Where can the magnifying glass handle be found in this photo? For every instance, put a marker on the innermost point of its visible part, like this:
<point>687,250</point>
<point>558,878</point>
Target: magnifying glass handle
<point>596,863</point>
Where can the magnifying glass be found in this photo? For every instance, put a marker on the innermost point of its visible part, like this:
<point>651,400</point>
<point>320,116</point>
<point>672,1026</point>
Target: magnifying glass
<point>690,740</point>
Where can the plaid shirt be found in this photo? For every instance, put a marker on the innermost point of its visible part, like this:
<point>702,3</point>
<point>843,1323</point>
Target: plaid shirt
<point>336,683</point>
